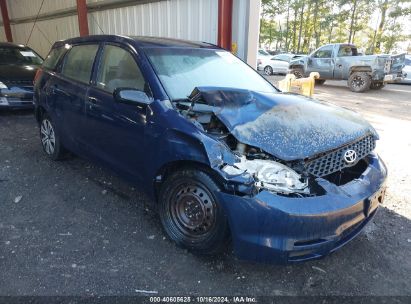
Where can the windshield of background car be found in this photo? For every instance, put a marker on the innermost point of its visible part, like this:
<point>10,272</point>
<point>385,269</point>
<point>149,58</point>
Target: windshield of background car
<point>19,56</point>
<point>182,69</point>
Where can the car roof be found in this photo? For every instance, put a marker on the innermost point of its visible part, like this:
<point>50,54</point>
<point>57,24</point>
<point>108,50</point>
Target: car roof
<point>12,45</point>
<point>139,41</point>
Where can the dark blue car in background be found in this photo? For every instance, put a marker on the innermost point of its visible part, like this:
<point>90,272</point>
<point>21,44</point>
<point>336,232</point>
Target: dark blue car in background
<point>225,155</point>
<point>18,65</point>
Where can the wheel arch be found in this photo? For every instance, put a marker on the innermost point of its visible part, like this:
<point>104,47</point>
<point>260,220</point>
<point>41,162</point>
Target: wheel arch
<point>39,112</point>
<point>169,168</point>
<point>360,68</point>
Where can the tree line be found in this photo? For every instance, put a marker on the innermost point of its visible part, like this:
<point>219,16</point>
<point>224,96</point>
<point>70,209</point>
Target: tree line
<point>300,26</point>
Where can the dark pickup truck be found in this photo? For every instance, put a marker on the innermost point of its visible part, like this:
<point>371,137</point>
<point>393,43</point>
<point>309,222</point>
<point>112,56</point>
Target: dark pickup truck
<point>342,61</point>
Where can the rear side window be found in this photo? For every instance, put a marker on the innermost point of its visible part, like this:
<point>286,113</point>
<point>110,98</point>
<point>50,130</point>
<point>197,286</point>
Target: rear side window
<point>53,58</point>
<point>78,63</point>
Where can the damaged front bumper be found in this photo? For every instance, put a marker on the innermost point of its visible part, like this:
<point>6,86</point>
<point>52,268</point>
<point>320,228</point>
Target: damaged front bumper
<point>273,228</point>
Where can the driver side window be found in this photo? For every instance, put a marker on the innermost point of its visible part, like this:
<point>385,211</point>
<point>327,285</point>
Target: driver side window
<point>118,69</point>
<point>324,52</point>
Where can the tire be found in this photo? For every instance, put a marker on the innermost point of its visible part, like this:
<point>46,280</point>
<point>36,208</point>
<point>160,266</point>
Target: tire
<point>319,81</point>
<point>359,82</point>
<point>268,70</point>
<point>50,139</point>
<point>190,213</point>
<point>298,73</point>
<point>377,85</point>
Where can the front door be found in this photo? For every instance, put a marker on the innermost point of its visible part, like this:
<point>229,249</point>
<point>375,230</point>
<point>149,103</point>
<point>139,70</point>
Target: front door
<point>116,130</point>
<point>322,62</point>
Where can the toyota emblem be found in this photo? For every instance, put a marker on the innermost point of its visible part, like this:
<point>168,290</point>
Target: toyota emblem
<point>350,156</point>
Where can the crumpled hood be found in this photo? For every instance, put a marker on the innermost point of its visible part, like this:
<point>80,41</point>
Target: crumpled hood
<point>287,126</point>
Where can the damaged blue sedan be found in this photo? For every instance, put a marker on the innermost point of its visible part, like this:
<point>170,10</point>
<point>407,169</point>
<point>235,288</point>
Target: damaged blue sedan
<point>227,157</point>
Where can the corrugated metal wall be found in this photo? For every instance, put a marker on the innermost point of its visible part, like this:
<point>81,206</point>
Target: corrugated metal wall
<point>186,19</point>
<point>45,32</point>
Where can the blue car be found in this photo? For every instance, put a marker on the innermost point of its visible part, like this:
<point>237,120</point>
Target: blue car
<point>18,66</point>
<point>227,157</point>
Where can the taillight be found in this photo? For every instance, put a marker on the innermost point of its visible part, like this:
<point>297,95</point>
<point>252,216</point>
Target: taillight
<point>38,74</point>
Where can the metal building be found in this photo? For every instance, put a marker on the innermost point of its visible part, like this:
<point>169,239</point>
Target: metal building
<point>232,24</point>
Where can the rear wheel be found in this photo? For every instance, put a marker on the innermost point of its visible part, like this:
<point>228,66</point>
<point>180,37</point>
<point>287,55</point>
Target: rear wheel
<point>319,81</point>
<point>359,82</point>
<point>377,85</point>
<point>50,139</point>
<point>191,214</point>
<point>268,70</point>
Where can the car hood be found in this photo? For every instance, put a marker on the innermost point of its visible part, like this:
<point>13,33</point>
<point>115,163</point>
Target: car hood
<point>287,126</point>
<point>14,72</point>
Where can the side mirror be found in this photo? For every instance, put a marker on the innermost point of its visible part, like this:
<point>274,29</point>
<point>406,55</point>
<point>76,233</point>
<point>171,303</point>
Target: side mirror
<point>131,96</point>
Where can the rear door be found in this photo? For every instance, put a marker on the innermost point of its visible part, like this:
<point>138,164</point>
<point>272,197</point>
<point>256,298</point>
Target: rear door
<point>67,92</point>
<point>322,62</point>
<point>116,131</point>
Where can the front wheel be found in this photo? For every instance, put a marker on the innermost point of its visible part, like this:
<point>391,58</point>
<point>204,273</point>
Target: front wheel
<point>298,73</point>
<point>190,213</point>
<point>359,82</point>
<point>50,139</point>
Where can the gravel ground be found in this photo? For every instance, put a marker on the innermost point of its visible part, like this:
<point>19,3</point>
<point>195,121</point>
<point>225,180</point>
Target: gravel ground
<point>72,228</point>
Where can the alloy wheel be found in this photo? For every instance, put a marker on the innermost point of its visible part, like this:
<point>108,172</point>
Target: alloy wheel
<point>48,138</point>
<point>358,82</point>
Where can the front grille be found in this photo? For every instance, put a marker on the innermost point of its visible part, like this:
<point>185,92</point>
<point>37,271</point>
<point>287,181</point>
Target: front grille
<point>334,161</point>
<point>18,83</point>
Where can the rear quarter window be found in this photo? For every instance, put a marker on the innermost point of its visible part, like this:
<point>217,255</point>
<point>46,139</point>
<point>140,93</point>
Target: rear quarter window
<point>53,58</point>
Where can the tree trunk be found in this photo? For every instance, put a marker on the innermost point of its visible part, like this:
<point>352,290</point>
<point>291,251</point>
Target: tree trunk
<point>295,28</point>
<point>380,30</point>
<point>301,27</point>
<point>315,23</point>
<point>287,25</point>
<point>307,30</point>
<point>352,23</point>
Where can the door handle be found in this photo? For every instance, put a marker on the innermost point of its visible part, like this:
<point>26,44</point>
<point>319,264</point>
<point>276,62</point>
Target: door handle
<point>93,100</point>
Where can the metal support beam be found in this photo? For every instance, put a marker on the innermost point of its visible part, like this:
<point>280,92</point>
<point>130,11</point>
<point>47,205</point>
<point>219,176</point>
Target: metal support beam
<point>82,17</point>
<point>6,20</point>
<point>225,16</point>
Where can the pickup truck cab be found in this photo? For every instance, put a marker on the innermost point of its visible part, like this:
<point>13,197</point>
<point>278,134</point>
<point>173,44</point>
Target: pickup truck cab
<point>343,61</point>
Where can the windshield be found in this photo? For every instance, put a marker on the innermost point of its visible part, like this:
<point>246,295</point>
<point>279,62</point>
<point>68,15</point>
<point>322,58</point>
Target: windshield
<point>19,56</point>
<point>182,69</point>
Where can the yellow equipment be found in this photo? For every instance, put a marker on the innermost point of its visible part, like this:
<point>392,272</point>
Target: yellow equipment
<point>304,86</point>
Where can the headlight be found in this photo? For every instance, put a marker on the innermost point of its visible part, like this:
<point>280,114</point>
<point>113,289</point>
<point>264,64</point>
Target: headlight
<point>270,175</point>
<point>2,85</point>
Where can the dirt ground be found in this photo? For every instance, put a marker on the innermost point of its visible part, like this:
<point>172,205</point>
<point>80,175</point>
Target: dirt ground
<point>72,228</point>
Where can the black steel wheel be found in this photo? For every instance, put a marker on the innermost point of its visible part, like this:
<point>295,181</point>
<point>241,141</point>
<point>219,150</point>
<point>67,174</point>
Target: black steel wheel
<point>298,73</point>
<point>359,82</point>
<point>190,213</point>
<point>50,139</point>
<point>268,70</point>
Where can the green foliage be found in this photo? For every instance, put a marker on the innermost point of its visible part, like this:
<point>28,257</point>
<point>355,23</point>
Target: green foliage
<point>301,26</point>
